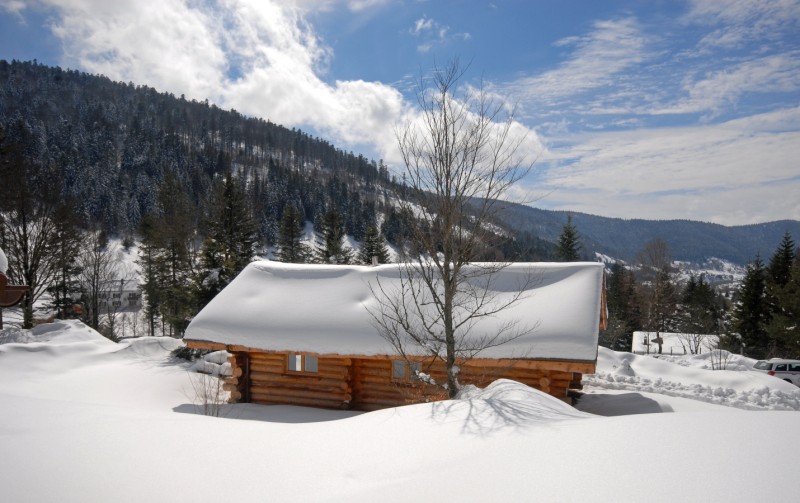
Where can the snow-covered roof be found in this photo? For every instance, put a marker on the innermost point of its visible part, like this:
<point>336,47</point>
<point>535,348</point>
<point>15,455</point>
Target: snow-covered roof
<point>326,309</point>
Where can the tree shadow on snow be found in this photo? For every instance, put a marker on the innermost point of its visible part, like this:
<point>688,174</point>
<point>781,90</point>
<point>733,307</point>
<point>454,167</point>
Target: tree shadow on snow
<point>483,417</point>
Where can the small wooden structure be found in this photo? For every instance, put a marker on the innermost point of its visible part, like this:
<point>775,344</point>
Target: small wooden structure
<point>333,357</point>
<point>10,295</point>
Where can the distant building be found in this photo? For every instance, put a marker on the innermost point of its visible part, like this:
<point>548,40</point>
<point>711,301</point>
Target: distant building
<point>673,343</point>
<point>120,295</point>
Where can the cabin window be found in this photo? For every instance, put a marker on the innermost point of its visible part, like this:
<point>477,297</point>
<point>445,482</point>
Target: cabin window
<point>303,363</point>
<point>405,371</point>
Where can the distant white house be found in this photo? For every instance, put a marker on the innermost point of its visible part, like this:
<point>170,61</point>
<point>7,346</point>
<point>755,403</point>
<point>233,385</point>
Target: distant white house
<point>120,295</point>
<point>673,343</point>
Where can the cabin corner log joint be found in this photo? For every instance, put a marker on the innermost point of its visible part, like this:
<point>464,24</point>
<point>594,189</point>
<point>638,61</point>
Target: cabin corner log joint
<point>264,372</point>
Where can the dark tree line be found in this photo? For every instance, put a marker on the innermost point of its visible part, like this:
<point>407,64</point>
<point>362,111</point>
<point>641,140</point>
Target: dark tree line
<point>766,314</point>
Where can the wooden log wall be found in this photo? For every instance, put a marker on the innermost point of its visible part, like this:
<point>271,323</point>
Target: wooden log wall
<point>367,383</point>
<point>271,383</point>
<point>374,388</point>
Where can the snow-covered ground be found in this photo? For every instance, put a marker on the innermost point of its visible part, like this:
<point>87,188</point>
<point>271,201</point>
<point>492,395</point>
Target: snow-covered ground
<point>85,419</point>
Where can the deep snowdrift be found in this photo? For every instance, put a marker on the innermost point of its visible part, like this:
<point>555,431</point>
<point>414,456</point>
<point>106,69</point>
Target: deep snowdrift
<point>89,420</point>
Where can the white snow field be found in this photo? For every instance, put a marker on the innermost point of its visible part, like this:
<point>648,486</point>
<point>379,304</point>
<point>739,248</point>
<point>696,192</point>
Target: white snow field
<point>88,420</point>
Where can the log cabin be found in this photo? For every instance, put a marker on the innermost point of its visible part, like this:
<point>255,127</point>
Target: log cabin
<point>302,334</point>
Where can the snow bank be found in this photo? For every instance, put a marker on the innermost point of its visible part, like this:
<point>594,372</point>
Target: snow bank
<point>689,378</point>
<point>326,309</point>
<point>85,421</point>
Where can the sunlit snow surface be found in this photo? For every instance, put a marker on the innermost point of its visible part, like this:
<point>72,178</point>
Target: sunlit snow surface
<point>88,420</point>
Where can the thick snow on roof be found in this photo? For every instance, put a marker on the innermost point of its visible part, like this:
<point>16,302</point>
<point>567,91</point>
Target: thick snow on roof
<point>326,309</point>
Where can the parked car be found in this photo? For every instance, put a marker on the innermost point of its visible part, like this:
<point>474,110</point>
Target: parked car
<point>788,370</point>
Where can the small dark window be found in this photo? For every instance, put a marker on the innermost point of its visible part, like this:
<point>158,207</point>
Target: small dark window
<point>781,367</point>
<point>405,371</point>
<point>794,367</point>
<point>302,363</point>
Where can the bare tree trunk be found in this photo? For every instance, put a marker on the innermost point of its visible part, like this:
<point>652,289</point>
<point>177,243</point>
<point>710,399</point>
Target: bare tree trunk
<point>461,156</point>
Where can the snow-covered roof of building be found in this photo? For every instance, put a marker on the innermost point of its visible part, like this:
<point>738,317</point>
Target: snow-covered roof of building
<point>326,309</point>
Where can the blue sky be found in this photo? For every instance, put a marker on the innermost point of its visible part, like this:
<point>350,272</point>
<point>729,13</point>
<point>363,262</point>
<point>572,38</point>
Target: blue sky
<point>635,109</point>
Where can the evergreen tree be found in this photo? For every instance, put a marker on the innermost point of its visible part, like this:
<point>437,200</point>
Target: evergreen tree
<point>167,260</point>
<point>231,241</point>
<point>330,246</point>
<point>780,265</point>
<point>374,245</point>
<point>65,289</point>
<point>699,314</point>
<point>783,300</point>
<point>150,265</point>
<point>569,245</point>
<point>290,245</point>
<point>751,312</point>
<point>624,314</point>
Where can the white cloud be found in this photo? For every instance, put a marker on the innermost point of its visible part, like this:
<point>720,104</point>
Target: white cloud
<point>434,33</point>
<point>741,171</point>
<point>12,6</point>
<point>260,57</point>
<point>743,21</point>
<point>611,48</point>
<point>422,24</point>
<point>721,89</point>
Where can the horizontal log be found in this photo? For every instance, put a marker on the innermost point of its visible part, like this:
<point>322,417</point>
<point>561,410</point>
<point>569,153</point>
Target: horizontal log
<point>317,404</point>
<point>322,370</point>
<point>276,391</point>
<point>231,380</point>
<point>562,365</point>
<point>236,371</point>
<point>321,385</point>
<point>213,346</point>
<point>301,401</point>
<point>269,369</point>
<point>230,387</point>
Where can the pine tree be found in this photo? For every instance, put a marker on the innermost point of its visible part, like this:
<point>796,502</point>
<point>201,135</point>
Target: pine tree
<point>231,241</point>
<point>290,245</point>
<point>167,260</point>
<point>330,246</point>
<point>783,299</point>
<point>624,314</point>
<point>699,314</point>
<point>780,265</point>
<point>374,245</point>
<point>569,245</point>
<point>751,313</point>
<point>65,289</point>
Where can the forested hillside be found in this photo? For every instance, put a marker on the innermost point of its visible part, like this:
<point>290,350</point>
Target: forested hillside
<point>112,145</point>
<point>687,240</point>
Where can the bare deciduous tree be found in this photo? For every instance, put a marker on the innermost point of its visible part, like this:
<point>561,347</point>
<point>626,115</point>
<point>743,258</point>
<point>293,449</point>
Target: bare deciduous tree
<point>657,289</point>
<point>101,274</point>
<point>30,232</point>
<point>460,158</point>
